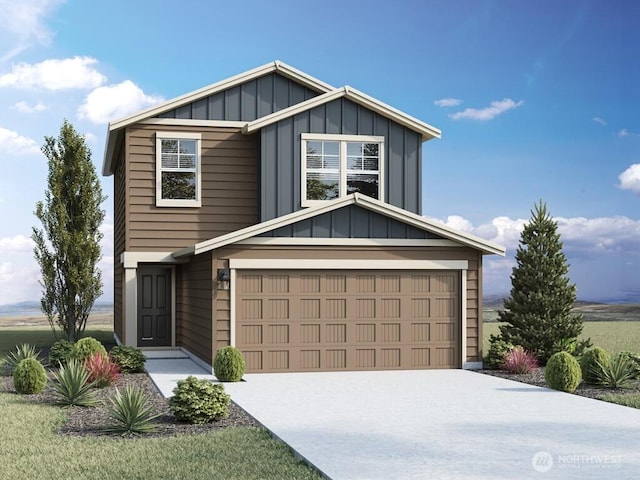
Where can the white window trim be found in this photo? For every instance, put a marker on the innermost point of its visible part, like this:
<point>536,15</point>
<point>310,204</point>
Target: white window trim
<point>343,162</point>
<point>164,202</point>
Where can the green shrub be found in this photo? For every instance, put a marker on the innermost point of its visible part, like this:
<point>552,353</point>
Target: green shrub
<point>129,413</point>
<point>199,401</point>
<point>20,353</point>
<point>229,365</point>
<point>563,372</point>
<point>72,386</point>
<point>129,359</point>
<point>618,373</point>
<point>103,370</point>
<point>635,359</point>
<point>590,362</point>
<point>86,347</point>
<point>29,376</point>
<point>60,353</point>
<point>498,348</point>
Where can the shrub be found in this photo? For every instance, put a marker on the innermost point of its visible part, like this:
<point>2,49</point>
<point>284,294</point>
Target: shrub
<point>85,347</point>
<point>129,359</point>
<point>563,372</point>
<point>102,369</point>
<point>72,386</point>
<point>590,362</point>
<point>199,401</point>
<point>60,352</point>
<point>618,373</point>
<point>519,360</point>
<point>229,365</point>
<point>29,376</point>
<point>635,359</point>
<point>129,412</point>
<point>497,350</point>
<point>20,353</point>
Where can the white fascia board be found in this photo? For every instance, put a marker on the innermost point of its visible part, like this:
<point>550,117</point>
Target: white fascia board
<point>132,259</point>
<point>423,223</point>
<point>427,131</point>
<point>349,242</point>
<point>276,66</point>
<point>342,264</point>
<point>188,122</point>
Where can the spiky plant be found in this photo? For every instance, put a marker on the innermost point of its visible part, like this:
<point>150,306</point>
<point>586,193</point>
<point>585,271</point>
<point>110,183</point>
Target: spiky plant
<point>18,354</point>
<point>616,374</point>
<point>129,412</point>
<point>72,385</point>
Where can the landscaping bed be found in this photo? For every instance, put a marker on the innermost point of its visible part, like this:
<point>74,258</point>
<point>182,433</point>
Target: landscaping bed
<point>89,421</point>
<point>536,377</point>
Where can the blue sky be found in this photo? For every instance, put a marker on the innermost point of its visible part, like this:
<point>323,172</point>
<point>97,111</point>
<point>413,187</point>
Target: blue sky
<point>536,100</point>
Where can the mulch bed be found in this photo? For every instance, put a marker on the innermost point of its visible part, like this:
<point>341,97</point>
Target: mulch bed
<point>88,421</point>
<point>536,377</point>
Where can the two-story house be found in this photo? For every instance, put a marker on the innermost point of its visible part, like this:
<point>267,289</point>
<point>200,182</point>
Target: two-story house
<point>276,213</point>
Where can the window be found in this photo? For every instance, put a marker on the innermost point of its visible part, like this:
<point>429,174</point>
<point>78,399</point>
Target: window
<point>178,169</point>
<point>334,166</point>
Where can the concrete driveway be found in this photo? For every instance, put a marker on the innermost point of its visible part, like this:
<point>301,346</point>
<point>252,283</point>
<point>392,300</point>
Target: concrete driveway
<point>438,424</point>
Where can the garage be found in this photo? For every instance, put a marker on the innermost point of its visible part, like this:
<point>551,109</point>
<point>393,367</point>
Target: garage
<point>328,320</point>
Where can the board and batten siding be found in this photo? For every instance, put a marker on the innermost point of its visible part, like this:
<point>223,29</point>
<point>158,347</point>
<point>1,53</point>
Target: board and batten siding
<point>351,222</point>
<point>246,102</point>
<point>473,287</point>
<point>194,305</point>
<point>229,197</point>
<point>280,155</point>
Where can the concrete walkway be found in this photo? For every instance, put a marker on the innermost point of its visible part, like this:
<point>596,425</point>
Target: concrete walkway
<point>433,424</point>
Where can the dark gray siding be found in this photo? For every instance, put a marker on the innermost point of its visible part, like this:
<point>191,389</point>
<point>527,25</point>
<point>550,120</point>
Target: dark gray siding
<point>280,155</point>
<point>351,222</point>
<point>246,102</point>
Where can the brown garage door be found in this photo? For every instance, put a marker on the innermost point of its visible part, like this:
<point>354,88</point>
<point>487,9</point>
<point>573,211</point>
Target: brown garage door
<point>356,320</point>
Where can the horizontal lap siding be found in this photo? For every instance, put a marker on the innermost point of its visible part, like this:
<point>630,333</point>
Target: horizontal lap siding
<point>473,287</point>
<point>229,199</point>
<point>194,304</point>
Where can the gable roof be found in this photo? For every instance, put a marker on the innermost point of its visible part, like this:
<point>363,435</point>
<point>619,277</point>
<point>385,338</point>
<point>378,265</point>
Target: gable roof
<point>422,223</point>
<point>277,66</point>
<point>427,131</point>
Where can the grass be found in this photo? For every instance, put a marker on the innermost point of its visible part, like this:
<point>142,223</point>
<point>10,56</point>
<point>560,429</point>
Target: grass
<point>42,336</point>
<point>628,400</point>
<point>30,448</point>
<point>614,337</point>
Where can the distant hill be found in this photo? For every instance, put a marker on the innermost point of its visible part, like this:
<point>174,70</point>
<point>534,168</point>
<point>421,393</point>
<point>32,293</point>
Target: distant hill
<point>33,308</point>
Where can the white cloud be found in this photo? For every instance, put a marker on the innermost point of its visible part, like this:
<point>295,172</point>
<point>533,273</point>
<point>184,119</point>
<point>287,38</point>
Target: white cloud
<point>447,102</point>
<point>488,113</point>
<point>91,138</point>
<point>13,143</point>
<point>23,24</point>
<point>54,74</point>
<point>630,179</point>
<point>17,244</point>
<point>626,133</point>
<point>19,283</point>
<point>105,104</point>
<point>599,120</point>
<point>24,107</point>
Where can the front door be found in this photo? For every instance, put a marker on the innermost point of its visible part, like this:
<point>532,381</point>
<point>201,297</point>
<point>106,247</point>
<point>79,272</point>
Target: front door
<point>154,306</point>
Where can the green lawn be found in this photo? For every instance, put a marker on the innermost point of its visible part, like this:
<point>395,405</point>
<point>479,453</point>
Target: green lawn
<point>30,448</point>
<point>614,337</point>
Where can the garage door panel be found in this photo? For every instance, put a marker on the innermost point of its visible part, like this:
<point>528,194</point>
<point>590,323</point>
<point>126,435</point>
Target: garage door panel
<point>323,320</point>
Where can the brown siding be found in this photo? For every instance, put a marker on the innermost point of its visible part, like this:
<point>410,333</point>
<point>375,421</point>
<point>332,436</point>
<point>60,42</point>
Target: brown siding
<point>229,182</point>
<point>119,207</point>
<point>474,302</point>
<point>222,313</point>
<point>194,297</point>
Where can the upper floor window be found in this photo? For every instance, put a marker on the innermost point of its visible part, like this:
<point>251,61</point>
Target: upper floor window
<point>178,169</point>
<point>334,166</point>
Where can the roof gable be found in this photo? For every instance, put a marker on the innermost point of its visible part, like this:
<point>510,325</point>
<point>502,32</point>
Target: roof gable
<point>427,131</point>
<point>397,214</point>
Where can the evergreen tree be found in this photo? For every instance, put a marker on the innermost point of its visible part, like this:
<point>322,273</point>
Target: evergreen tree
<point>538,311</point>
<point>68,246</point>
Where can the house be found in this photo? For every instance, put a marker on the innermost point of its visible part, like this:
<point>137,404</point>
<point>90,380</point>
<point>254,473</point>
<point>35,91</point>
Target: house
<point>276,213</point>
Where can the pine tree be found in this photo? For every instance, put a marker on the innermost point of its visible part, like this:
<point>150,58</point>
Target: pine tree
<point>538,311</point>
<point>68,247</point>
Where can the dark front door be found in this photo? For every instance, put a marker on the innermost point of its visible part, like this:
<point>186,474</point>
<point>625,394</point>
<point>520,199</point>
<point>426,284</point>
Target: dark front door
<point>154,306</point>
